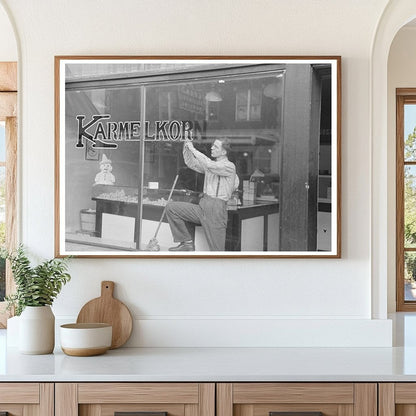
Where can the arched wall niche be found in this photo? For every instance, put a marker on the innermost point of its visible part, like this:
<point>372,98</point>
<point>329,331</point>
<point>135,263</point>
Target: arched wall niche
<point>396,15</point>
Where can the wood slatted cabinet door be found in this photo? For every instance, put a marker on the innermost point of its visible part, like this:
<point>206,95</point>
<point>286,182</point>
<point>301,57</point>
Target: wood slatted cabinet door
<point>153,399</point>
<point>309,399</point>
<point>397,399</point>
<point>27,399</point>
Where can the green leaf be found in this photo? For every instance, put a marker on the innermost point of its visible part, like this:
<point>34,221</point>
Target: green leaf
<point>35,286</point>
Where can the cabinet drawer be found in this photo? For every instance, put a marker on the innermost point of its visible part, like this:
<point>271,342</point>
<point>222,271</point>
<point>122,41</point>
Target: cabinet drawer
<point>19,393</point>
<point>138,393</point>
<point>309,399</point>
<point>147,399</point>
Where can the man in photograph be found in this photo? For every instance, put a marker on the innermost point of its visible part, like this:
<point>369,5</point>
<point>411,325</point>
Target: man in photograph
<point>220,182</point>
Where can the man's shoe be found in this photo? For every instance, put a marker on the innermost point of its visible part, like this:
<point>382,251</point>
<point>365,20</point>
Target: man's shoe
<point>184,246</point>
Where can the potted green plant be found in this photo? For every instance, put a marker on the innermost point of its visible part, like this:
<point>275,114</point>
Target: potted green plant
<point>36,289</point>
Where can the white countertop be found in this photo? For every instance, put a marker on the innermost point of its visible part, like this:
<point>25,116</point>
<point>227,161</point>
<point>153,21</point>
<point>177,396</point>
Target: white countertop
<point>222,364</point>
<point>215,364</point>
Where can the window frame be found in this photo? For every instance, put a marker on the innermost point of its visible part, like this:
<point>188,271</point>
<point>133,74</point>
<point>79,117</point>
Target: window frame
<point>8,113</point>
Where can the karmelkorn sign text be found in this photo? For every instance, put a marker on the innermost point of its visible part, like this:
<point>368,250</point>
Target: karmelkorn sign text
<point>104,134</point>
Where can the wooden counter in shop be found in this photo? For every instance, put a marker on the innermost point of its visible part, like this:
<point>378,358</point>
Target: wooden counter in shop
<point>152,212</point>
<point>247,211</point>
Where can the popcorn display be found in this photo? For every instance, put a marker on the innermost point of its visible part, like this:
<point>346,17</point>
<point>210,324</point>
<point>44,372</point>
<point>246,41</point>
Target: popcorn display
<point>121,196</point>
<point>118,195</point>
<point>161,201</point>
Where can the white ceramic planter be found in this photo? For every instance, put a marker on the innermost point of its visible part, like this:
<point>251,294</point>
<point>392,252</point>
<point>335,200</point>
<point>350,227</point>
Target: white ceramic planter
<point>37,330</point>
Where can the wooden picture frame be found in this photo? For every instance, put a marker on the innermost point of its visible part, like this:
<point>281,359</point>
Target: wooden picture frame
<point>282,140</point>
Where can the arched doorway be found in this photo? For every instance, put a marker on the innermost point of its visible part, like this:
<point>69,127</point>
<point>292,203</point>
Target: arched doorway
<point>396,15</point>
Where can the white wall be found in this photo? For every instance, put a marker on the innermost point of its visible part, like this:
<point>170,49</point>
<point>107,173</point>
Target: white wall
<point>8,46</point>
<point>401,74</point>
<point>212,301</point>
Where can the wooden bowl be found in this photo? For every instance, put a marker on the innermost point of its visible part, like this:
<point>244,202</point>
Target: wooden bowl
<point>84,340</point>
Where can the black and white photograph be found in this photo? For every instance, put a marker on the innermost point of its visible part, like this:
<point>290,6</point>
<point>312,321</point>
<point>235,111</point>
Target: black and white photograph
<point>198,156</point>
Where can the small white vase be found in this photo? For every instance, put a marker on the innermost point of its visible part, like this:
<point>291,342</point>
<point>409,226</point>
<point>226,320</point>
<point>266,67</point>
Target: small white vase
<point>37,330</point>
<point>12,334</point>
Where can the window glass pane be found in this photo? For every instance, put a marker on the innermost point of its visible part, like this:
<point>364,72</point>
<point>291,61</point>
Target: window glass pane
<point>244,109</point>
<point>409,275</point>
<point>410,132</point>
<point>410,206</point>
<point>102,168</point>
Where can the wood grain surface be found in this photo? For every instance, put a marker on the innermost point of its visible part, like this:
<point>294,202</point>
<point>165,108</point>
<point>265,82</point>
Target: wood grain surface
<point>66,399</point>
<point>171,393</point>
<point>252,393</point>
<point>386,399</point>
<point>22,393</point>
<point>8,76</point>
<point>8,105</point>
<point>84,352</point>
<point>109,310</point>
<point>365,399</point>
<point>224,399</point>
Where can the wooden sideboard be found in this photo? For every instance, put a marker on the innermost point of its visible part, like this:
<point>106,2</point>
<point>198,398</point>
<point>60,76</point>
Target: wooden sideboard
<point>208,399</point>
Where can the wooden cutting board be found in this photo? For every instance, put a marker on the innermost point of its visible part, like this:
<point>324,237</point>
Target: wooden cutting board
<point>108,310</point>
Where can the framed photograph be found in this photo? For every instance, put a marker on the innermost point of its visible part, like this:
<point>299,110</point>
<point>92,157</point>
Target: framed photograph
<point>198,156</point>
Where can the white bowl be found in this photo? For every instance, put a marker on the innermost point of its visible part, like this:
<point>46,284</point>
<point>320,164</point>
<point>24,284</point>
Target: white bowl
<point>83,340</point>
